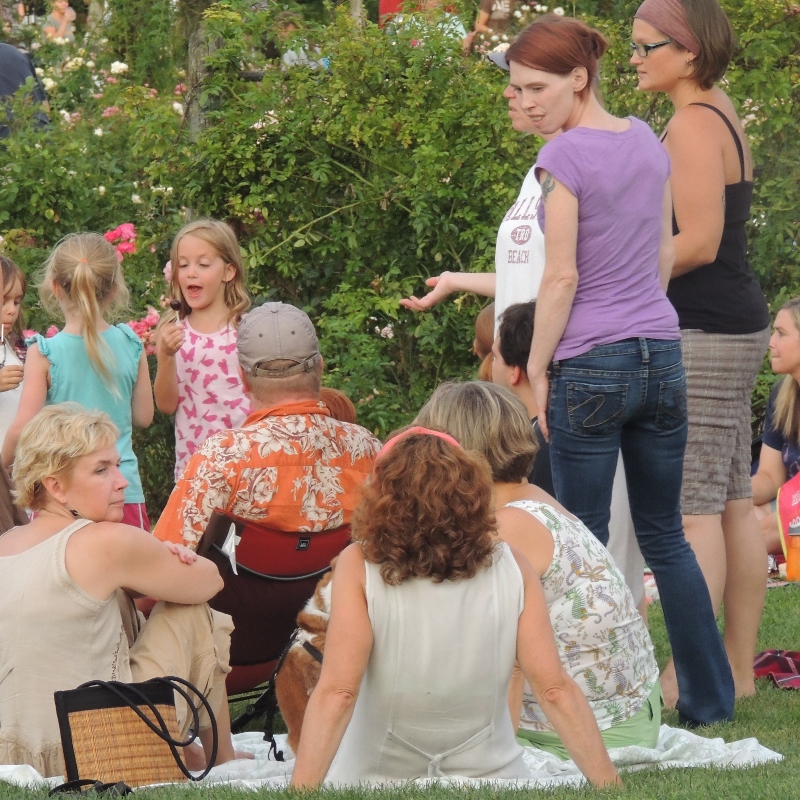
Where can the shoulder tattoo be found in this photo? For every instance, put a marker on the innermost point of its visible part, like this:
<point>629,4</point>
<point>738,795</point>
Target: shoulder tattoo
<point>548,184</point>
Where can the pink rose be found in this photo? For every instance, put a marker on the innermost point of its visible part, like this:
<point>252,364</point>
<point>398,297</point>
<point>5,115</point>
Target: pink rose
<point>127,231</point>
<point>168,272</point>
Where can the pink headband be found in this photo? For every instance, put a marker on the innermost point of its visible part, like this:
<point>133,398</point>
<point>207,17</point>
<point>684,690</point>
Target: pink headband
<point>670,18</point>
<point>415,430</point>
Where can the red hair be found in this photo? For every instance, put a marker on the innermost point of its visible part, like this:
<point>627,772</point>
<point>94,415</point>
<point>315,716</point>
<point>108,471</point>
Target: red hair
<point>559,45</point>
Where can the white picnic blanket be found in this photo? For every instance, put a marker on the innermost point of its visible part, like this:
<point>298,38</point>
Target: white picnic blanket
<point>676,748</point>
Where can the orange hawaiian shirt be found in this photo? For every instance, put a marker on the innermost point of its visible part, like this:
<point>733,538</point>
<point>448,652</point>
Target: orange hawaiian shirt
<point>292,467</point>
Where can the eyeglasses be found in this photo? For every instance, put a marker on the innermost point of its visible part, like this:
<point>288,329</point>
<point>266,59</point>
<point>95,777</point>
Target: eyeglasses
<point>643,50</point>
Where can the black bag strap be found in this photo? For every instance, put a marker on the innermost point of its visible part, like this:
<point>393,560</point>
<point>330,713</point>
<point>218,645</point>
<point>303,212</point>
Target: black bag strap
<point>124,691</point>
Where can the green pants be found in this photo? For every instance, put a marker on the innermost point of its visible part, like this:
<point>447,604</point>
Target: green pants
<point>641,729</point>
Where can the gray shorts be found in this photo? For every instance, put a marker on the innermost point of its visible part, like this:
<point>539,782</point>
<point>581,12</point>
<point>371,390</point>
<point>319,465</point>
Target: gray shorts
<point>721,372</point>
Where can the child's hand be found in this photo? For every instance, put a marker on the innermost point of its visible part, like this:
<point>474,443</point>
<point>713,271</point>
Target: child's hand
<point>170,339</point>
<point>10,377</point>
<point>70,14</point>
<point>184,553</point>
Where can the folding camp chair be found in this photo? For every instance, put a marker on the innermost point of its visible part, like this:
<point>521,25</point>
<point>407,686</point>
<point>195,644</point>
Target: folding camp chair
<point>269,575</point>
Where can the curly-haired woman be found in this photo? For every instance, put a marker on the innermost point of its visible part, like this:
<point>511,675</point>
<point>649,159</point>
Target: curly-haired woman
<point>428,616</point>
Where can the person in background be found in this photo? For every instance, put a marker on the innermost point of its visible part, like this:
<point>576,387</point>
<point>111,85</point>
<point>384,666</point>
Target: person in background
<point>14,283</point>
<point>510,354</point>
<point>682,49</point>
<point>197,377</point>
<point>101,366</point>
<point>482,343</point>
<point>16,69</point>
<point>780,450</point>
<point>339,404</point>
<point>59,23</point>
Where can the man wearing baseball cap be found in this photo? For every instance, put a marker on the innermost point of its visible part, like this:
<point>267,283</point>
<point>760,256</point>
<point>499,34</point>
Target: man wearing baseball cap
<point>290,466</point>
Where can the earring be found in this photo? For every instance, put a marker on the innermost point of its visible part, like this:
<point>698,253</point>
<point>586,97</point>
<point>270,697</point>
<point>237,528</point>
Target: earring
<point>73,511</point>
<point>690,62</point>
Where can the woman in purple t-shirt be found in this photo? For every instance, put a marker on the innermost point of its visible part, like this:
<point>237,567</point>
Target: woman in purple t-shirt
<point>605,358</point>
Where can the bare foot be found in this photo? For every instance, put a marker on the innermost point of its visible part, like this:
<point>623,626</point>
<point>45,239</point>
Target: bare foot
<point>242,754</point>
<point>669,685</point>
<point>744,688</point>
<point>194,757</point>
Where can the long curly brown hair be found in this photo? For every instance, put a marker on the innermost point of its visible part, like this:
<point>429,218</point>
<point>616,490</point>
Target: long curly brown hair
<point>426,512</point>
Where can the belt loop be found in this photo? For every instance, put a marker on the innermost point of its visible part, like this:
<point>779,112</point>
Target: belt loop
<point>645,350</point>
<point>554,368</point>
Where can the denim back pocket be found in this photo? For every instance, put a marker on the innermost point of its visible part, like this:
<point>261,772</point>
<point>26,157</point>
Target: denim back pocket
<point>671,411</point>
<point>596,409</point>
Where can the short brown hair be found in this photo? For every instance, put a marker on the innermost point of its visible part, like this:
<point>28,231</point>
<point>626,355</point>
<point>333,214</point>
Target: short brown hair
<point>339,404</point>
<point>487,419</point>
<point>559,45</point>
<point>426,512</point>
<point>713,30</point>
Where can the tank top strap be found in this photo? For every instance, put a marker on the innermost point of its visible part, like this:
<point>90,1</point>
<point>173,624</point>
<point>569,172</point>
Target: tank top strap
<point>739,148</point>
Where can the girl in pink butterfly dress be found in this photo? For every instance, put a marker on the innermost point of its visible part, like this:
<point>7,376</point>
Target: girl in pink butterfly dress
<point>198,370</point>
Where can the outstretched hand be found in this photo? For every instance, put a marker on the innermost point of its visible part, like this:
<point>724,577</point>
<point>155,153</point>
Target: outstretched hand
<point>441,289</point>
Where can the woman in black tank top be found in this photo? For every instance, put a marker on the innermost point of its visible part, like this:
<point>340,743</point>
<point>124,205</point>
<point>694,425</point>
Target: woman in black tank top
<point>683,49</point>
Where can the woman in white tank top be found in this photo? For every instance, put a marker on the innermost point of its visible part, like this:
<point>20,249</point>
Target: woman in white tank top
<point>428,618</point>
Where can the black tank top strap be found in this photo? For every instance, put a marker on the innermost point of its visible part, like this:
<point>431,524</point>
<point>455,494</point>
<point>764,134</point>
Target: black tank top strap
<point>739,148</point>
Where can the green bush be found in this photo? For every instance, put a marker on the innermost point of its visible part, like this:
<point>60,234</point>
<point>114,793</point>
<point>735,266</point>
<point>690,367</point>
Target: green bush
<point>348,186</point>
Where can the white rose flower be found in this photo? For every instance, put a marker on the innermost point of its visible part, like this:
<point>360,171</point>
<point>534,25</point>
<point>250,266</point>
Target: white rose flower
<point>49,84</point>
<point>40,72</point>
<point>558,10</point>
<point>495,38</point>
<point>101,190</point>
<point>178,108</point>
<point>35,45</point>
<point>59,40</point>
<point>64,115</point>
<point>517,13</point>
<point>136,199</point>
<point>118,68</point>
<point>90,64</point>
<point>98,131</point>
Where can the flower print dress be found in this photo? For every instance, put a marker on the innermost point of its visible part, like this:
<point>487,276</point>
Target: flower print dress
<point>211,396</point>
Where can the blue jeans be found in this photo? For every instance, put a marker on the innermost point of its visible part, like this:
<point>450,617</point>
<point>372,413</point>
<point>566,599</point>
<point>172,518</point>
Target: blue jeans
<point>631,395</point>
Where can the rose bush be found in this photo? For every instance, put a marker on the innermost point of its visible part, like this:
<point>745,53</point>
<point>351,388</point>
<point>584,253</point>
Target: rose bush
<point>348,186</point>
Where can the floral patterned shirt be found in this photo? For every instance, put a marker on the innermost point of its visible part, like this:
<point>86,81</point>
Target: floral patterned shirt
<point>211,397</point>
<point>291,466</point>
<point>603,642</point>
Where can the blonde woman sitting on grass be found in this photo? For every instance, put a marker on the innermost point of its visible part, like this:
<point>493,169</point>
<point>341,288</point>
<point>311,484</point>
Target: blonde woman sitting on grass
<point>66,585</point>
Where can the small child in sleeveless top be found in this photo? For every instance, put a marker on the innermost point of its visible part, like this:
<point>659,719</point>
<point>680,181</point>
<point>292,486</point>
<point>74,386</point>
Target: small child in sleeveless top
<point>198,369</point>
<point>103,367</point>
<point>12,357</point>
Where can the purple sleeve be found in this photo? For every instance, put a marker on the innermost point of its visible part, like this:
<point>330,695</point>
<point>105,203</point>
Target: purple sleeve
<point>560,158</point>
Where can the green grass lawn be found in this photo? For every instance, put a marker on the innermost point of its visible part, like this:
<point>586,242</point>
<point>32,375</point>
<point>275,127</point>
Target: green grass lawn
<point>772,716</point>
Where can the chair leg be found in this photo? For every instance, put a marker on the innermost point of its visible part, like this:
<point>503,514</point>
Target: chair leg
<point>265,706</point>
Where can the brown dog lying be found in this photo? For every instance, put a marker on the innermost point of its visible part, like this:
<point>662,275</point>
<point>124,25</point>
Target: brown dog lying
<point>300,670</point>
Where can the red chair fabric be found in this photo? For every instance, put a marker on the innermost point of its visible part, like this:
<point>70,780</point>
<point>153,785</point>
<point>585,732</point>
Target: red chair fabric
<point>277,573</point>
